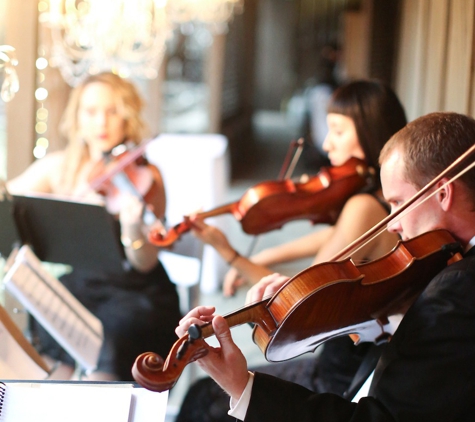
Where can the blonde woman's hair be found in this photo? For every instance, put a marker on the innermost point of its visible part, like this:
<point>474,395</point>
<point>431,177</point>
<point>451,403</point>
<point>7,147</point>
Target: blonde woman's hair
<point>129,105</point>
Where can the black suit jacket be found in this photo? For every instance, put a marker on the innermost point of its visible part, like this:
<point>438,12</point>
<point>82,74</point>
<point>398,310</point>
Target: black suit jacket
<point>425,373</point>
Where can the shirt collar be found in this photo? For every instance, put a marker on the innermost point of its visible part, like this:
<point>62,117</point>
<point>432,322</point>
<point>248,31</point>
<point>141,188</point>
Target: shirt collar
<point>470,244</point>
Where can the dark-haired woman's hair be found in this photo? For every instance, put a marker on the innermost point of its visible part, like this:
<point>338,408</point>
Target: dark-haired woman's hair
<point>376,112</point>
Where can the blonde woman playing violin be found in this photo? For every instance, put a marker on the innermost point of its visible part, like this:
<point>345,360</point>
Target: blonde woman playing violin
<point>139,306</point>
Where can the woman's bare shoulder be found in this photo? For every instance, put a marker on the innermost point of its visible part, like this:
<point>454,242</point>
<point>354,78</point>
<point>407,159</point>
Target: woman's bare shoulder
<point>53,157</point>
<point>360,213</point>
<point>38,176</point>
<point>363,203</point>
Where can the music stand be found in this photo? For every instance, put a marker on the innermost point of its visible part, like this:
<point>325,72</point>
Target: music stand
<point>9,237</point>
<point>82,235</point>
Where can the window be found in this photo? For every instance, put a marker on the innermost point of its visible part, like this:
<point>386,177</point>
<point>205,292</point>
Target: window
<point>186,94</point>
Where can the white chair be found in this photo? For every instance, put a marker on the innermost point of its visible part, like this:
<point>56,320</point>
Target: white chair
<point>183,265</point>
<point>195,170</point>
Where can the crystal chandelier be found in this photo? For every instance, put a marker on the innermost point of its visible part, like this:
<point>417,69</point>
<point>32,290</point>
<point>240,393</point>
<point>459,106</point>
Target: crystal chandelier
<point>127,37</point>
<point>8,76</point>
<point>89,36</point>
<point>214,13</point>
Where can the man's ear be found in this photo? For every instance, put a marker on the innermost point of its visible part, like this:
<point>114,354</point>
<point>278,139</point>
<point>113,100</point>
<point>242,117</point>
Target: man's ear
<point>445,194</point>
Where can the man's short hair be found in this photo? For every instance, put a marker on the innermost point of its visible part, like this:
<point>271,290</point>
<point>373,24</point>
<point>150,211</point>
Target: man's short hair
<point>430,144</point>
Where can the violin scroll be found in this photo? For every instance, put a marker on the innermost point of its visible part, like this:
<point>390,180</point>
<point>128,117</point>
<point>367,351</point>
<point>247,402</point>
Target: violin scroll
<point>165,240</point>
<point>155,374</point>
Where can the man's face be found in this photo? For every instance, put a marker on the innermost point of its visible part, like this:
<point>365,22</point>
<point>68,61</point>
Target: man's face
<point>397,191</point>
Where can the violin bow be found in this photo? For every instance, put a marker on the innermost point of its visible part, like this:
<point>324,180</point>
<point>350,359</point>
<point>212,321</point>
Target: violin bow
<point>286,171</point>
<point>365,238</point>
<point>288,166</point>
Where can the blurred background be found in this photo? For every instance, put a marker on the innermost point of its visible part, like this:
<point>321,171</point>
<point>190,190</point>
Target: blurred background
<point>239,68</point>
<point>255,72</point>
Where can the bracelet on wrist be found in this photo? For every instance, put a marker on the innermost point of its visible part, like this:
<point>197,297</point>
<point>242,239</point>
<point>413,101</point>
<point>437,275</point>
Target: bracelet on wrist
<point>235,256</point>
<point>136,244</point>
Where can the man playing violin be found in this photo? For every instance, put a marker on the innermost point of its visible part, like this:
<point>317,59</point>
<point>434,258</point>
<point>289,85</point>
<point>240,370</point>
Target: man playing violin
<point>362,116</point>
<point>426,371</point>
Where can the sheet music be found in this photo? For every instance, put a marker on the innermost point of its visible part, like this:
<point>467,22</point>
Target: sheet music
<point>78,331</point>
<point>148,406</point>
<point>45,402</point>
<point>76,401</point>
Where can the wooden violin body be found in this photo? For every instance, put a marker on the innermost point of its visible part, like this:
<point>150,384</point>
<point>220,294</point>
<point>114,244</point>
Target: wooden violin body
<point>269,205</point>
<point>321,302</point>
<point>127,172</point>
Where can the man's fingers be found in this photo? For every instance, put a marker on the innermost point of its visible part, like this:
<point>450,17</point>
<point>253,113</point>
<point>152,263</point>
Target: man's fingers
<point>223,333</point>
<point>266,287</point>
<point>198,312</point>
<point>198,315</point>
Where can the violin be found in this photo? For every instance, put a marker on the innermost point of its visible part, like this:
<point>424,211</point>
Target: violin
<point>269,205</point>
<point>329,299</point>
<point>304,313</point>
<point>125,170</point>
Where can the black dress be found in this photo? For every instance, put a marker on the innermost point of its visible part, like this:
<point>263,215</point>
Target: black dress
<point>139,313</point>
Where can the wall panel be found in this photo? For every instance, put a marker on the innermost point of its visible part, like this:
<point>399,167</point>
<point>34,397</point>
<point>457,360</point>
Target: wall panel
<point>20,32</point>
<point>436,56</point>
<point>411,64</point>
<point>459,56</point>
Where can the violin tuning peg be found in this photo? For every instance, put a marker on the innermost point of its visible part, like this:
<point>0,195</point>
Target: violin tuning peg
<point>194,331</point>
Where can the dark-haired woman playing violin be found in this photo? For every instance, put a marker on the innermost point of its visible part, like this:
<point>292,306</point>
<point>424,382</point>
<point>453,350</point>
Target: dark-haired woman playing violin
<point>139,306</point>
<point>362,116</point>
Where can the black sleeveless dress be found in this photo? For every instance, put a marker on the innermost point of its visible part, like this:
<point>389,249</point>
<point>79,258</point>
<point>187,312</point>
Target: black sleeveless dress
<point>139,313</point>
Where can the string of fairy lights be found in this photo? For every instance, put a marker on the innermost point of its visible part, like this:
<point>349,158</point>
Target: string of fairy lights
<point>41,94</point>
